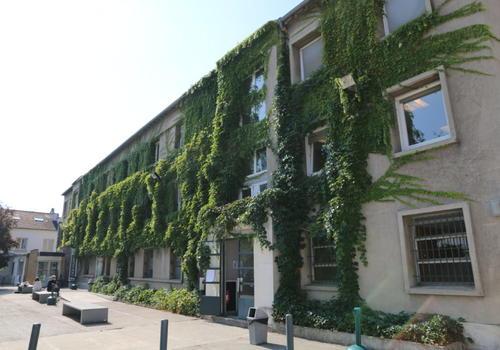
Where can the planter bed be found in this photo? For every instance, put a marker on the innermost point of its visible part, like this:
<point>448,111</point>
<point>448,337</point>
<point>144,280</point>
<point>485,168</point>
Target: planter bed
<point>372,343</point>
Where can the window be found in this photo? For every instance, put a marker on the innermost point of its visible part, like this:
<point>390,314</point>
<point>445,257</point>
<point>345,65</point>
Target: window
<point>157,151</point>
<point>178,136</point>
<point>423,111</point>
<point>441,250</point>
<point>147,271</point>
<point>54,267</point>
<point>175,266</point>
<point>245,266</point>
<point>399,12</point>
<point>108,266</point>
<point>48,245</point>
<point>131,266</point>
<point>438,251</point>
<point>324,268</point>
<point>259,111</point>
<point>99,266</point>
<point>38,219</point>
<point>311,57</point>
<point>22,243</point>
<point>253,189</point>
<point>259,161</point>
<point>315,151</point>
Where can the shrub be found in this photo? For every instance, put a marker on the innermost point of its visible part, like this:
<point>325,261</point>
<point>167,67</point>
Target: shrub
<point>179,301</point>
<point>426,329</point>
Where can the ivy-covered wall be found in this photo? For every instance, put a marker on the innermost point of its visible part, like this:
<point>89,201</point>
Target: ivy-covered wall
<point>143,211</point>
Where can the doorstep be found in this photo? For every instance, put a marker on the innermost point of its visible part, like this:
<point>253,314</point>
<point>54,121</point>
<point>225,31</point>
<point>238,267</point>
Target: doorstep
<point>371,343</point>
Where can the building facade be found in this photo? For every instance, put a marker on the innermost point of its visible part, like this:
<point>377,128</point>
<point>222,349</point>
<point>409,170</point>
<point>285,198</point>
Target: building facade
<point>424,257</point>
<point>36,254</point>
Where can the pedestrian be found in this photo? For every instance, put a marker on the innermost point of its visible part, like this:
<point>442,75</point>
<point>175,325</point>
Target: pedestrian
<point>37,285</point>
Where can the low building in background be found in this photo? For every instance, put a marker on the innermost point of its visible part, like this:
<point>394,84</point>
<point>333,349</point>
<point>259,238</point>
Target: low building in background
<point>36,254</point>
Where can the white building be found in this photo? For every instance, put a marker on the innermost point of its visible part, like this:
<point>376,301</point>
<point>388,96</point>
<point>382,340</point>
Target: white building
<point>36,234</point>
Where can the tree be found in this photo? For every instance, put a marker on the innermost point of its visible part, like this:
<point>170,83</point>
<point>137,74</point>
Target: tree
<point>6,241</point>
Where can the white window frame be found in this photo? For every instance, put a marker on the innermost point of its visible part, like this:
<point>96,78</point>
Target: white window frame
<point>309,142</point>
<point>20,241</point>
<point>301,49</point>
<point>254,108</point>
<point>410,88</point>
<point>254,164</point>
<point>428,8</point>
<point>254,188</point>
<point>45,244</point>
<point>410,283</point>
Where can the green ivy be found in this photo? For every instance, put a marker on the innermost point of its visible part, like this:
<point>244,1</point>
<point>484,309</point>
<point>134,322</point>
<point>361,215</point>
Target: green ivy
<point>140,210</point>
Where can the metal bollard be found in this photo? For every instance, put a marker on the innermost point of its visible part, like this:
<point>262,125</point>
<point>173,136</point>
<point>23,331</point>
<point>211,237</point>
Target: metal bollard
<point>35,332</point>
<point>289,331</point>
<point>164,334</point>
<point>357,328</point>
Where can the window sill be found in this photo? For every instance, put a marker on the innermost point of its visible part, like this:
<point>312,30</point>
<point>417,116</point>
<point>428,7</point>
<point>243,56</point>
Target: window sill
<point>321,287</point>
<point>427,147</point>
<point>444,290</point>
<point>255,175</point>
<point>154,280</point>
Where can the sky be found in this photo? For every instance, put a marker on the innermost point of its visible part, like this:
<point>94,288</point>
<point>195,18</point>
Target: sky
<point>77,78</point>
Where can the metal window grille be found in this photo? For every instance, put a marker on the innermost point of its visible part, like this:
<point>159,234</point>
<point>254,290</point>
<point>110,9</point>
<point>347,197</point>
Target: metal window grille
<point>441,250</point>
<point>324,267</point>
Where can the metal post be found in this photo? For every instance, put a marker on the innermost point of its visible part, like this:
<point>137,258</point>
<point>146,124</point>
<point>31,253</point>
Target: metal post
<point>357,325</point>
<point>289,332</point>
<point>35,332</point>
<point>164,335</point>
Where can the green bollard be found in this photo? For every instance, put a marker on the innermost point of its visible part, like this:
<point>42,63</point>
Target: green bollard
<point>357,330</point>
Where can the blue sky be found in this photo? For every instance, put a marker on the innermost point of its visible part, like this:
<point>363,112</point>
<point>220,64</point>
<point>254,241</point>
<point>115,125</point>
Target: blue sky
<point>79,77</point>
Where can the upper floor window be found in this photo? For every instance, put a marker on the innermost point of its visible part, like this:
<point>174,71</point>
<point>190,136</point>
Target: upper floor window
<point>315,151</point>
<point>311,57</point>
<point>147,270</point>
<point>399,12</point>
<point>253,189</point>
<point>259,110</point>
<point>22,243</point>
<point>178,136</point>
<point>423,112</point>
<point>157,151</point>
<point>48,245</point>
<point>259,161</point>
<point>323,263</point>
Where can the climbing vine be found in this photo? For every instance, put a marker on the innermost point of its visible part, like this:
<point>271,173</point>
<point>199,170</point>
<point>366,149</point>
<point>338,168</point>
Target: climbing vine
<point>140,208</point>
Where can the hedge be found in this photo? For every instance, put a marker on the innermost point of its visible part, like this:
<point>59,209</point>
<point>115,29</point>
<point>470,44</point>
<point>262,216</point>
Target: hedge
<point>180,301</point>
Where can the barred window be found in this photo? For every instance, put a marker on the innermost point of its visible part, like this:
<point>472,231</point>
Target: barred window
<point>441,250</point>
<point>324,268</point>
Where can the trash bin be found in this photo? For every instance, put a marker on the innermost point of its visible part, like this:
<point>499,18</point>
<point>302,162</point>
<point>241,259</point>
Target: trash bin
<point>257,326</point>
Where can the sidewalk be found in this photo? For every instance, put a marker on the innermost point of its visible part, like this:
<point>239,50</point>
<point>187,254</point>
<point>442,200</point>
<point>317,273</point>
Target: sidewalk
<point>129,327</point>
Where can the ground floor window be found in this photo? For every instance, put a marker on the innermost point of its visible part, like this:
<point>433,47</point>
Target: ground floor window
<point>131,266</point>
<point>324,268</point>
<point>147,271</point>
<point>175,266</point>
<point>440,249</point>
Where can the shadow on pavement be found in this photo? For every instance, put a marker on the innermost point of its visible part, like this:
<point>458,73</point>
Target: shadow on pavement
<point>272,346</point>
<point>6,290</point>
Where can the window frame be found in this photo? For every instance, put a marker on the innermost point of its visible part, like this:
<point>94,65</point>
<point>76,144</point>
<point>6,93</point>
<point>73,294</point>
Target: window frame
<point>414,86</point>
<point>301,60</point>
<point>157,151</point>
<point>316,135</point>
<point>254,172</point>
<point>255,108</point>
<point>387,32</point>
<point>410,282</point>
<point>254,188</point>
<point>20,241</point>
<point>312,247</point>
